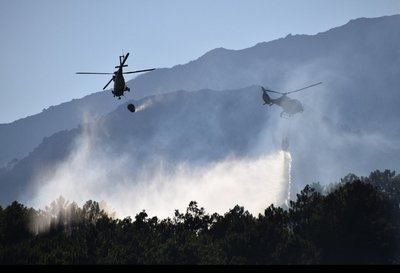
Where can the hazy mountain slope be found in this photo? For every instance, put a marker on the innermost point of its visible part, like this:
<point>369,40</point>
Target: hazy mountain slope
<point>181,127</point>
<point>20,137</point>
<point>350,123</point>
<point>359,61</point>
<point>269,61</point>
<point>195,129</point>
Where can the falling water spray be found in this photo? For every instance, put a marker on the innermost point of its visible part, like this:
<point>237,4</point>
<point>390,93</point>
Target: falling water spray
<point>287,168</point>
<point>287,172</point>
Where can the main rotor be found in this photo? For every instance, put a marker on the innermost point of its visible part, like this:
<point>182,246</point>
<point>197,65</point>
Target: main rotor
<point>122,60</point>
<point>297,90</point>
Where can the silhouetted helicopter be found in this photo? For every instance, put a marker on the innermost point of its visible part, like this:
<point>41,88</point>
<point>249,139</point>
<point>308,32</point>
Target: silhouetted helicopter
<point>118,78</point>
<point>289,106</point>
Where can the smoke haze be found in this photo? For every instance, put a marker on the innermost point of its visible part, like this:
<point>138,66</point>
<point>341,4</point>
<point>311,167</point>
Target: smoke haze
<point>88,174</point>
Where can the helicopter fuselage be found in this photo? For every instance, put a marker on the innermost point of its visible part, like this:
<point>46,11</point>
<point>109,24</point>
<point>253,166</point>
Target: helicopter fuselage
<point>289,106</point>
<point>119,84</point>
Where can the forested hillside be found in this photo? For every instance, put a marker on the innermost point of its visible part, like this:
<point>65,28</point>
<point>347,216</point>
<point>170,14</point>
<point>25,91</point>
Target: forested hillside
<point>353,222</point>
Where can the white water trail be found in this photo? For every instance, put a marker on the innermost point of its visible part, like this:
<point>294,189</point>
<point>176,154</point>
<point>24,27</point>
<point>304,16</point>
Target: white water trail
<point>93,174</point>
<point>253,183</point>
<point>288,174</point>
<point>144,105</point>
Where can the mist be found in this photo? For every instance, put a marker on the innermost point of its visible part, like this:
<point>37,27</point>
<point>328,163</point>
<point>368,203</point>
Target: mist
<point>89,174</point>
<point>222,152</point>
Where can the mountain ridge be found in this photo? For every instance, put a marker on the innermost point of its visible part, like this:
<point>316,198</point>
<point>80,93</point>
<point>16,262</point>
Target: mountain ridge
<point>354,68</point>
<point>162,80</point>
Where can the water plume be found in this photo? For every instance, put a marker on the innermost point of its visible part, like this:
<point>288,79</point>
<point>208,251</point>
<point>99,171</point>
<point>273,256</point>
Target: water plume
<point>287,173</point>
<point>147,103</point>
<point>90,174</point>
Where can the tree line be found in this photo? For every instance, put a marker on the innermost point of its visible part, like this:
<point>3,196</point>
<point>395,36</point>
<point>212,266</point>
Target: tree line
<point>355,221</point>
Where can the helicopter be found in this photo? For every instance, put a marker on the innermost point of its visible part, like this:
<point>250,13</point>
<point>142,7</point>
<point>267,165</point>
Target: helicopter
<point>289,106</point>
<point>118,78</point>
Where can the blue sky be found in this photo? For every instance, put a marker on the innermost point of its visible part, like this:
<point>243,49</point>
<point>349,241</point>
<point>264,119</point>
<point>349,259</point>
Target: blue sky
<point>44,42</point>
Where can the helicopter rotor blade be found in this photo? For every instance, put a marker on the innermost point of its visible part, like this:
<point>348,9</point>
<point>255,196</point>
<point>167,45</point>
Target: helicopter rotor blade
<point>138,71</point>
<point>94,73</point>
<point>272,91</point>
<point>108,83</point>
<point>124,60</point>
<point>304,88</point>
